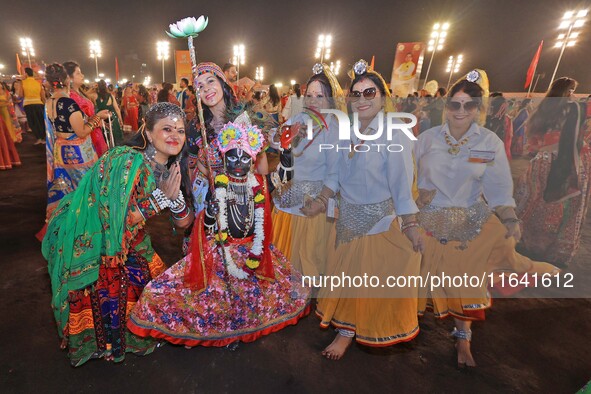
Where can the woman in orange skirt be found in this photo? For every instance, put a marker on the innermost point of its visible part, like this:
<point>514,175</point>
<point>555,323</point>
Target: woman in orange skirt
<point>467,212</point>
<point>375,189</point>
<point>301,227</point>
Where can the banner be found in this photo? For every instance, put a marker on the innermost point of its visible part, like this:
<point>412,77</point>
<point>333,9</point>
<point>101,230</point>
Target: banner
<point>19,66</point>
<point>182,66</point>
<point>533,65</point>
<point>406,71</point>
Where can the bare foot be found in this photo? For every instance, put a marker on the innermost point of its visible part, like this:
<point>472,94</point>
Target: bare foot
<point>64,344</point>
<point>337,348</point>
<point>465,358</point>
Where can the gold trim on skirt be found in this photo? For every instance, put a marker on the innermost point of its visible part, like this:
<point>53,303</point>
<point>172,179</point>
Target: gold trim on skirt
<point>382,316</point>
<point>490,251</point>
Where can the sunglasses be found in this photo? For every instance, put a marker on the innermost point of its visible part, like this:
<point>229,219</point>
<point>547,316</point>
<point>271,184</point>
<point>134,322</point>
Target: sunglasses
<point>367,94</point>
<point>469,106</point>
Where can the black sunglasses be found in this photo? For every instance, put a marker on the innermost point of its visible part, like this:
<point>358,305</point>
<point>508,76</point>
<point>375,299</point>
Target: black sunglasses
<point>469,106</point>
<point>368,94</point>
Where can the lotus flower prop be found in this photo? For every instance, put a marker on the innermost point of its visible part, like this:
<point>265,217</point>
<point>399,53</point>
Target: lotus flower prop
<point>187,27</point>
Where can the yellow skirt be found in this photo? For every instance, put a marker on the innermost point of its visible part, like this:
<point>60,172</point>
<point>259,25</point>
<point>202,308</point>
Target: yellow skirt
<point>303,240</point>
<point>490,251</point>
<point>379,317</point>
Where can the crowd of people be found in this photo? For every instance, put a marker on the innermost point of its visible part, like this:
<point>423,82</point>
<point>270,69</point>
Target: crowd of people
<point>242,171</point>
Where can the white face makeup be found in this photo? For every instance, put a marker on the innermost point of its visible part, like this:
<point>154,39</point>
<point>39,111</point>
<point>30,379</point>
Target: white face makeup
<point>238,162</point>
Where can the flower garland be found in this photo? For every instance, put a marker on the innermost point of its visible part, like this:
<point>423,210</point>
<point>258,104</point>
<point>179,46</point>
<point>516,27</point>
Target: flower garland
<point>256,252</point>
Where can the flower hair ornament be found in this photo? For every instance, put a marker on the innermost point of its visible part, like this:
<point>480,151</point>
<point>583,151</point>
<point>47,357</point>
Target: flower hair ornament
<point>362,67</point>
<point>337,92</point>
<point>479,77</point>
<point>241,134</point>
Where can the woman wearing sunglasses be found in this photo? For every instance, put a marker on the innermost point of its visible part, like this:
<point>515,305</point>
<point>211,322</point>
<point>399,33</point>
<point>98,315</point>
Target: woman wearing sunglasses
<point>374,190</point>
<point>301,223</point>
<point>467,211</point>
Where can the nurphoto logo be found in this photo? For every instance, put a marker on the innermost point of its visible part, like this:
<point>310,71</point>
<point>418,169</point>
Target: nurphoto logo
<point>394,121</point>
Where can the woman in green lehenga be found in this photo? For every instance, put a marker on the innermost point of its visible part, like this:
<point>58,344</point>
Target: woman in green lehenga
<point>99,256</point>
<point>106,101</point>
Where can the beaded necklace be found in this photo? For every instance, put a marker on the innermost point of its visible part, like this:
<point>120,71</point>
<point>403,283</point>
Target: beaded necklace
<point>455,148</point>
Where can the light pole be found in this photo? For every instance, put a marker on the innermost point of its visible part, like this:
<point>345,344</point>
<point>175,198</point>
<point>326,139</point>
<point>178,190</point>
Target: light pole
<point>323,47</point>
<point>238,58</point>
<point>27,48</point>
<point>453,66</point>
<point>438,35</point>
<point>163,49</point>
<point>335,67</point>
<point>259,74</point>
<point>95,52</point>
<point>570,21</point>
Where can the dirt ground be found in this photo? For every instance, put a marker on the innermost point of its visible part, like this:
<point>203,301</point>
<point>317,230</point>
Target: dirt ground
<point>525,345</point>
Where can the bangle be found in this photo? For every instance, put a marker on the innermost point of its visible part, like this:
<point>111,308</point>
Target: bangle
<point>93,122</point>
<point>323,198</point>
<point>407,226</point>
<point>161,199</point>
<point>187,211</point>
<point>324,204</point>
<point>178,205</point>
<point>409,223</point>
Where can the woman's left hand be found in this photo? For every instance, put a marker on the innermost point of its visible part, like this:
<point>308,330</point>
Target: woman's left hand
<point>415,238</point>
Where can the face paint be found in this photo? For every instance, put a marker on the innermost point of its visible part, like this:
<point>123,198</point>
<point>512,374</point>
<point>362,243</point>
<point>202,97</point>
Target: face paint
<point>237,163</point>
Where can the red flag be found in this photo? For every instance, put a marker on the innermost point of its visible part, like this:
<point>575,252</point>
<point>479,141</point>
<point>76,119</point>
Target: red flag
<point>116,70</point>
<point>372,64</point>
<point>532,67</point>
<point>19,66</point>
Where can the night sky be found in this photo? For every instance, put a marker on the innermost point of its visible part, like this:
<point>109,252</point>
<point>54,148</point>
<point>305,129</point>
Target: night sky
<point>500,36</point>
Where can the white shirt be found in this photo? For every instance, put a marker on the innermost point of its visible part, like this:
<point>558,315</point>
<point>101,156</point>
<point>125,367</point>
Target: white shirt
<point>313,164</point>
<point>372,177</point>
<point>460,183</point>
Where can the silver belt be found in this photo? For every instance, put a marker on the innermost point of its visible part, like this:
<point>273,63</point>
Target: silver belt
<point>356,220</point>
<point>454,224</point>
<point>292,194</point>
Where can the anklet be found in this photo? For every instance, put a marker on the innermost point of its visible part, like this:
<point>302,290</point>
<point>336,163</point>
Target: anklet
<point>462,334</point>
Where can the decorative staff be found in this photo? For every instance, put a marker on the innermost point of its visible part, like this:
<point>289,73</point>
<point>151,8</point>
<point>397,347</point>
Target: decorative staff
<point>189,28</point>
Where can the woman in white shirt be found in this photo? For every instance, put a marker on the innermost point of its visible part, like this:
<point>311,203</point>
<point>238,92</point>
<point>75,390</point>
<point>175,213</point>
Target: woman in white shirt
<point>301,227</point>
<point>467,212</point>
<point>375,189</point>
